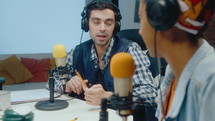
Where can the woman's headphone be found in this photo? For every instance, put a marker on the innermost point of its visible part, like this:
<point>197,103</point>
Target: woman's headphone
<point>162,14</point>
<point>85,19</point>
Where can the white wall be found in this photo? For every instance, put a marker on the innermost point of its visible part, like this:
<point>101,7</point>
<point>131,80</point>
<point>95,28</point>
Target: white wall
<point>35,26</point>
<point>127,8</point>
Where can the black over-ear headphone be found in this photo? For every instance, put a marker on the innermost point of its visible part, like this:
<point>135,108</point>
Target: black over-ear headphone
<point>162,14</point>
<point>85,19</point>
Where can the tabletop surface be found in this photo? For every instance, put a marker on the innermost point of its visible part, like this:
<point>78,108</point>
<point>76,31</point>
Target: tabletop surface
<point>76,109</point>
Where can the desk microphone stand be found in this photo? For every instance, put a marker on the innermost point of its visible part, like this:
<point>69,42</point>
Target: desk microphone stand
<point>103,113</point>
<point>123,105</point>
<point>141,110</point>
<point>51,104</point>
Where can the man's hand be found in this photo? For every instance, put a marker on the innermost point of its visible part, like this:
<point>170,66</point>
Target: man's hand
<point>94,94</point>
<point>75,85</point>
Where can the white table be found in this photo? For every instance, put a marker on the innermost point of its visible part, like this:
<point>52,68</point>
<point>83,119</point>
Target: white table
<point>77,108</point>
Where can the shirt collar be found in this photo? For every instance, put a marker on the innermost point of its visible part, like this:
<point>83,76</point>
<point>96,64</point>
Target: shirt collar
<point>106,55</point>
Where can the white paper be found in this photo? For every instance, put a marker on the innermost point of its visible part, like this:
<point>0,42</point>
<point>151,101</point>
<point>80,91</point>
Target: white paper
<point>30,95</point>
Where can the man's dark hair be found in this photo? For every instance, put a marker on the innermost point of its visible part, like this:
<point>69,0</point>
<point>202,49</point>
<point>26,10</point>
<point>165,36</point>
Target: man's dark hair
<point>101,5</point>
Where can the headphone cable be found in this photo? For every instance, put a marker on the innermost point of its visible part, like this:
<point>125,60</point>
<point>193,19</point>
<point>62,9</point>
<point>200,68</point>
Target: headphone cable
<point>81,36</point>
<point>159,71</point>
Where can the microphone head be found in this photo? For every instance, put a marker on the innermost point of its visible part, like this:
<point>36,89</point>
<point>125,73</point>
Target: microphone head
<point>122,65</point>
<point>59,51</point>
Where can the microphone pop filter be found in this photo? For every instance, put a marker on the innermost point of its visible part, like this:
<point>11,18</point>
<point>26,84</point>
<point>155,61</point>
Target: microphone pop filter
<point>59,51</point>
<point>122,65</point>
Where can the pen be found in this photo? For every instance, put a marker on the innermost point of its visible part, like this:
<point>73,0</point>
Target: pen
<point>74,119</point>
<point>81,78</point>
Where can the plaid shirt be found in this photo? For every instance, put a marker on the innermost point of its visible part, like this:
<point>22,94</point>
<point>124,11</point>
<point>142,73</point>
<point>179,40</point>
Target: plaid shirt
<point>144,86</point>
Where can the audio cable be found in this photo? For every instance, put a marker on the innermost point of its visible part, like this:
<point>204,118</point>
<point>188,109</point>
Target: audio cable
<point>159,71</point>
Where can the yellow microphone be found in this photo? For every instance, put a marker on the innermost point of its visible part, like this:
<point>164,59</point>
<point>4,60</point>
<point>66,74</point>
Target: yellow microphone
<point>59,53</point>
<point>122,69</point>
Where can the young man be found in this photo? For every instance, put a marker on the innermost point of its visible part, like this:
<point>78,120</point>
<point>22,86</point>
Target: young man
<point>173,29</point>
<point>92,58</point>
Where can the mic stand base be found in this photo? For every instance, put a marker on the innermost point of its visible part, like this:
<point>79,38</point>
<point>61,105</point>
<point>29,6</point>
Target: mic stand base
<point>46,105</point>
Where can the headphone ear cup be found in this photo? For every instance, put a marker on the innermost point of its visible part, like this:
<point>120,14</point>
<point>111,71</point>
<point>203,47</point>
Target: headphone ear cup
<point>117,27</point>
<point>84,24</point>
<point>118,23</point>
<point>84,21</point>
<point>162,14</point>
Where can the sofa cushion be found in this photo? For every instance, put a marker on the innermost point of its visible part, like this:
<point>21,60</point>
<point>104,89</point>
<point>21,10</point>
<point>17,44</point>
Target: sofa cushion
<point>15,69</point>
<point>1,64</point>
<point>38,67</point>
<point>9,80</point>
<point>52,63</point>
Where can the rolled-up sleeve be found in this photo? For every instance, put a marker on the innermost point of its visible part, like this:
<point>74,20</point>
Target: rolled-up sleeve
<point>144,86</point>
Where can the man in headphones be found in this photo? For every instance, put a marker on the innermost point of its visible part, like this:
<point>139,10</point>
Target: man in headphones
<point>173,29</point>
<point>92,58</point>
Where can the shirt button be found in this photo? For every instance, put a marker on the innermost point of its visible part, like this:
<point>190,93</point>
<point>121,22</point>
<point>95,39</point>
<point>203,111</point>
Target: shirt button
<point>95,66</point>
<point>90,84</point>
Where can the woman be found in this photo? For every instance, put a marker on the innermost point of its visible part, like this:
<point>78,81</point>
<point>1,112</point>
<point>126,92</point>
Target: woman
<point>173,29</point>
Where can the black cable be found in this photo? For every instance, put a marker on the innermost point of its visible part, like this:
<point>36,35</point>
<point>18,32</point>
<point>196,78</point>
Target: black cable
<point>159,70</point>
<point>81,36</point>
